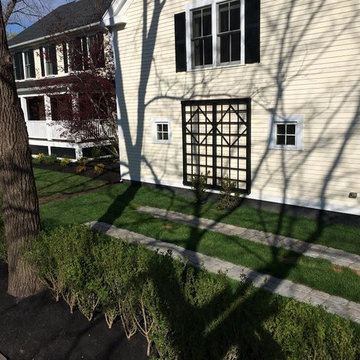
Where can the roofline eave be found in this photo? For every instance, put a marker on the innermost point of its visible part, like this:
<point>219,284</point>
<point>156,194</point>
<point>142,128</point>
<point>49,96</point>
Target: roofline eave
<point>43,38</point>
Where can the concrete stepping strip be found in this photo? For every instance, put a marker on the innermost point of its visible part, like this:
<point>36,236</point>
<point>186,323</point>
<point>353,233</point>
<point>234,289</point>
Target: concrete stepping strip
<point>333,304</point>
<point>335,256</point>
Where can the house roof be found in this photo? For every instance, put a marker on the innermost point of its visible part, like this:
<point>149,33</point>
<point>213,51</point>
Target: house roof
<point>64,18</point>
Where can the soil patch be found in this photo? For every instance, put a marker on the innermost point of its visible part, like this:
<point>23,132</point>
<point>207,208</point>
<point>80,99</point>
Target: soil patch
<point>45,200</point>
<point>110,175</point>
<point>38,328</point>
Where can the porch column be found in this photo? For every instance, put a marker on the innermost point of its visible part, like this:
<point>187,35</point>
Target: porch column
<point>24,108</point>
<point>48,117</point>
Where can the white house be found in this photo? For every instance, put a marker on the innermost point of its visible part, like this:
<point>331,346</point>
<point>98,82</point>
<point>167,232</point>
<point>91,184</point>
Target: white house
<point>49,56</point>
<point>263,92</point>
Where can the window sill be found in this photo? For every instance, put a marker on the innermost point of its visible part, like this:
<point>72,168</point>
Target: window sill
<point>211,67</point>
<point>285,148</point>
<point>162,142</point>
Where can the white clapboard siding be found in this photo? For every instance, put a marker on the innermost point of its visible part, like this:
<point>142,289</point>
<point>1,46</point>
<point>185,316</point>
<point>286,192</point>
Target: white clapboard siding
<point>309,66</point>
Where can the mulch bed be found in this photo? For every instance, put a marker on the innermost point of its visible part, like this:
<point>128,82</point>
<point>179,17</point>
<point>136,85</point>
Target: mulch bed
<point>38,328</point>
<point>110,175</point>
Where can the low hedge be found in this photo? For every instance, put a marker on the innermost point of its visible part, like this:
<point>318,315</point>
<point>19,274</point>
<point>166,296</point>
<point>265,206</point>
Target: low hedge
<point>182,312</point>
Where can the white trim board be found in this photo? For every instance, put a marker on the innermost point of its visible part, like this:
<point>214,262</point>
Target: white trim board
<point>355,210</point>
<point>115,15</point>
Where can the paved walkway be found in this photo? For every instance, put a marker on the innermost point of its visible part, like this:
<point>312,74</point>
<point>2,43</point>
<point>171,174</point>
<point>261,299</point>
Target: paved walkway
<point>335,256</point>
<point>333,304</point>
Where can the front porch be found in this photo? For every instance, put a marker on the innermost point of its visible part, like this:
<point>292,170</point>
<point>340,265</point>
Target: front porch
<point>48,137</point>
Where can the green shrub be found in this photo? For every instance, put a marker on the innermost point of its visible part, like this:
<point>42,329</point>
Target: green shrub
<point>99,169</point>
<point>39,158</point>
<point>64,162</point>
<point>65,264</point>
<point>198,183</point>
<point>227,199</point>
<point>50,160</point>
<point>80,169</point>
<point>304,332</point>
<point>82,162</point>
<point>183,313</point>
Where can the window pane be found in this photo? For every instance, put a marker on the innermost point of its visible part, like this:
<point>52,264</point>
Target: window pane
<point>224,17</point>
<point>280,140</point>
<point>208,51</point>
<point>159,128</point>
<point>19,66</point>
<point>280,129</point>
<point>29,64</point>
<point>65,58</point>
<point>235,15</point>
<point>76,54</point>
<point>235,46</point>
<point>291,129</point>
<point>165,127</point>
<point>224,48</point>
<point>290,140</point>
<point>207,21</point>
<point>166,136</point>
<point>159,136</point>
<point>198,52</point>
<point>51,60</point>
<point>196,23</point>
<point>85,53</point>
<point>36,108</point>
<point>96,43</point>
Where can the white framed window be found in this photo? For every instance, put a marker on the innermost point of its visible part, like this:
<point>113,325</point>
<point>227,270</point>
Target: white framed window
<point>161,130</point>
<point>18,63</point>
<point>215,33</point>
<point>286,132</point>
<point>29,63</point>
<point>49,60</point>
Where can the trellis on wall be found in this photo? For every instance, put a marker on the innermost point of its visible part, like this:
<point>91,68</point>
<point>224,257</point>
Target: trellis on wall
<point>216,142</point>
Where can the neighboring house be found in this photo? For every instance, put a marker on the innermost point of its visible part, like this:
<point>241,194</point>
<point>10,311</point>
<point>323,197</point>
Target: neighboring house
<point>56,62</point>
<point>264,93</point>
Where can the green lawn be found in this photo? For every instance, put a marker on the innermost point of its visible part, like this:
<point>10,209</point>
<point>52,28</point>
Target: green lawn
<point>117,205</point>
<point>51,184</point>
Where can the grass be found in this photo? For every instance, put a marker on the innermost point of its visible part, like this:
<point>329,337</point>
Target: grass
<point>52,184</point>
<point>117,205</point>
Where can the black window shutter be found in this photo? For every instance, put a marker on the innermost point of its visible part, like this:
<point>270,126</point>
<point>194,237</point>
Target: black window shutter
<point>32,63</point>
<point>42,62</point>
<point>65,57</point>
<point>252,31</point>
<point>180,42</point>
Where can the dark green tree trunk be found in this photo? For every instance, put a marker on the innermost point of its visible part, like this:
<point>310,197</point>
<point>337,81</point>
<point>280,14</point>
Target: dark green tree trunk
<point>19,197</point>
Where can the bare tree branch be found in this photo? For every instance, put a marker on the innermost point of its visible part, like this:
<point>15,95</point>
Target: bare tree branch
<point>19,12</point>
<point>9,10</point>
<point>16,23</point>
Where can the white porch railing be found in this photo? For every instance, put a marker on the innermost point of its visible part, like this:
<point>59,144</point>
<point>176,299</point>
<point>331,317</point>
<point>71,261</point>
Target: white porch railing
<point>52,130</point>
<point>37,129</point>
<point>47,130</point>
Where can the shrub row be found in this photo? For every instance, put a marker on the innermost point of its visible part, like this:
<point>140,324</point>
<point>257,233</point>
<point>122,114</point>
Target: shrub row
<point>183,313</point>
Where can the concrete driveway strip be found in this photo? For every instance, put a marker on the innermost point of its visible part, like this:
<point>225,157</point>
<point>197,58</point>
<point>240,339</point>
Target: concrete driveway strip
<point>335,256</point>
<point>302,293</point>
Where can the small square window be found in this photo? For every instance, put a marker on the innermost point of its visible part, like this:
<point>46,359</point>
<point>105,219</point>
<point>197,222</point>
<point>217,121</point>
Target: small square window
<point>286,132</point>
<point>161,131</point>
